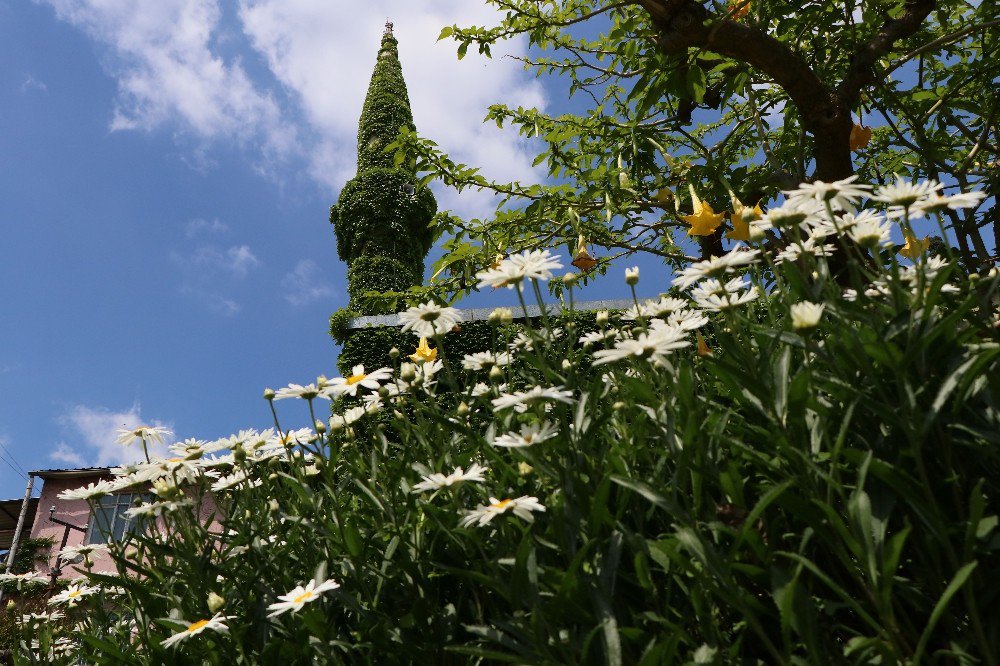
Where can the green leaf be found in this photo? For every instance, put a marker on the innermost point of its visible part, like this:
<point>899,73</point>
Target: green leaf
<point>960,578</point>
<point>695,82</point>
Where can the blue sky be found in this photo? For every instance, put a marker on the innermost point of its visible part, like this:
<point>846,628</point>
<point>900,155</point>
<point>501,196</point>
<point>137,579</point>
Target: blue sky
<point>164,199</point>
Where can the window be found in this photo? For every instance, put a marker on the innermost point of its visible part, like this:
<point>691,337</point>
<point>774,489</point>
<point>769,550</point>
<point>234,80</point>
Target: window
<point>109,522</point>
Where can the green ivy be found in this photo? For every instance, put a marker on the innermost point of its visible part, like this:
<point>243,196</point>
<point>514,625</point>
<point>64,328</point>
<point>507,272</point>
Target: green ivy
<point>382,219</point>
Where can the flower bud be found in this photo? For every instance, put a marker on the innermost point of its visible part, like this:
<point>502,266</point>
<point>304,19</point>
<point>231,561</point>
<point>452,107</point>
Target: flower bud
<point>570,279</point>
<point>394,353</point>
<point>268,394</point>
<point>408,373</point>
<point>272,506</point>
<point>602,317</point>
<point>215,602</point>
<point>462,409</point>
<point>383,392</point>
<point>524,468</point>
<point>566,365</point>
<point>618,406</point>
<point>632,276</point>
<point>501,316</point>
<point>320,427</point>
<point>496,372</point>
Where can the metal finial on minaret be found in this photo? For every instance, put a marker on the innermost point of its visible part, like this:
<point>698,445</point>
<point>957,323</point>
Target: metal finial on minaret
<point>388,27</point>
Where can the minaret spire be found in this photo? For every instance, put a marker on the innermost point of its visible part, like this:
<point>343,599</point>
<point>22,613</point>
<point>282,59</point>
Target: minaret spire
<point>382,217</point>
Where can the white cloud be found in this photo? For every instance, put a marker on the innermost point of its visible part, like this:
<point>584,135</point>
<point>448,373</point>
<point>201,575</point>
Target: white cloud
<point>449,97</point>
<point>31,83</point>
<point>306,283</point>
<point>200,226</point>
<point>67,456</point>
<point>208,261</point>
<point>95,430</point>
<point>164,59</point>
<point>168,60</point>
<point>209,272</point>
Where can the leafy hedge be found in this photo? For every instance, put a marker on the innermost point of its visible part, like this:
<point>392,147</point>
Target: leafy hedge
<point>382,219</point>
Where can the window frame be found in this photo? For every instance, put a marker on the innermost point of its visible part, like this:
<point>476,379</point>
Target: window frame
<point>109,532</point>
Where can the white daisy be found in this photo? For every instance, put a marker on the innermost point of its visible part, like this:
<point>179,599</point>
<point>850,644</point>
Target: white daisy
<point>306,392</point>
<point>216,623</point>
<point>686,320</point>
<point>904,195</point>
<point>236,478</point>
<point>358,379</point>
<point>714,296</point>
<point>155,509</point>
<point>300,596</point>
<point>485,360</point>
<point>522,507</point>
<point>530,433</point>
<point>791,213</point>
<point>437,480</point>
<point>429,319</point>
<point>806,314</point>
<point>352,415</point>
<point>530,264</point>
<point>812,246</point>
<point>653,346</point>
<point>73,594</point>
<point>520,400</point>
<point>29,577</point>
<point>871,232</point>
<point>90,491</point>
<point>842,194</point>
<point>716,266</point>
<point>83,550</point>
<point>149,434</point>
<point>937,202</point>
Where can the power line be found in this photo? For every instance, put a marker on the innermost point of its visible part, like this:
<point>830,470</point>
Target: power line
<point>10,455</point>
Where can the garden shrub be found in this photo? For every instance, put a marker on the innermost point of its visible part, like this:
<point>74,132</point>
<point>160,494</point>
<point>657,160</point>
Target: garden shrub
<point>814,479</point>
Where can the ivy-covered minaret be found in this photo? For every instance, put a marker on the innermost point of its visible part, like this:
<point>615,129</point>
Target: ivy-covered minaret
<point>382,217</point>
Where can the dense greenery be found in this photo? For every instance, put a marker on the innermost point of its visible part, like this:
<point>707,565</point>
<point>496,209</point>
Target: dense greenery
<point>382,218</point>
<point>737,99</point>
<point>383,213</point>
<point>795,488</point>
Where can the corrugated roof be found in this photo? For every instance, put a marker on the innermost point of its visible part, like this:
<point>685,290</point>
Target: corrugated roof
<point>70,473</point>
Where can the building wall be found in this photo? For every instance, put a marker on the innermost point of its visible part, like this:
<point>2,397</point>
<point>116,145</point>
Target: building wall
<point>77,512</point>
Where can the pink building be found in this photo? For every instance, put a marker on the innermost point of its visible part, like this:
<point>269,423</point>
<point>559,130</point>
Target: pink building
<point>75,520</point>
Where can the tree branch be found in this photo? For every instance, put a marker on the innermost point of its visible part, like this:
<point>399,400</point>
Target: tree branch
<point>685,24</point>
<point>861,71</point>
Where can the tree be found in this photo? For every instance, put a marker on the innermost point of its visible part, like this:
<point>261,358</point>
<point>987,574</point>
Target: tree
<point>737,100</point>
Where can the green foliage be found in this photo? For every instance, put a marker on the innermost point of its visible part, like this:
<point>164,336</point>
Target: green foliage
<point>386,109</point>
<point>29,553</point>
<point>798,496</point>
<point>667,94</point>
<point>382,219</point>
<point>378,274</point>
<point>376,216</point>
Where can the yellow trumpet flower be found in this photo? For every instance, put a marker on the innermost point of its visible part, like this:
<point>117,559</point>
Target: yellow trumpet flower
<point>704,221</point>
<point>741,218</point>
<point>583,260</point>
<point>860,136</point>
<point>739,9</point>
<point>424,352</point>
<point>914,247</point>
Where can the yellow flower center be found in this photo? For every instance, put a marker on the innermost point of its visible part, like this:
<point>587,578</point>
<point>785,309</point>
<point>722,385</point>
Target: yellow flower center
<point>74,594</point>
<point>197,625</point>
<point>354,379</point>
<point>502,504</point>
<point>305,596</point>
